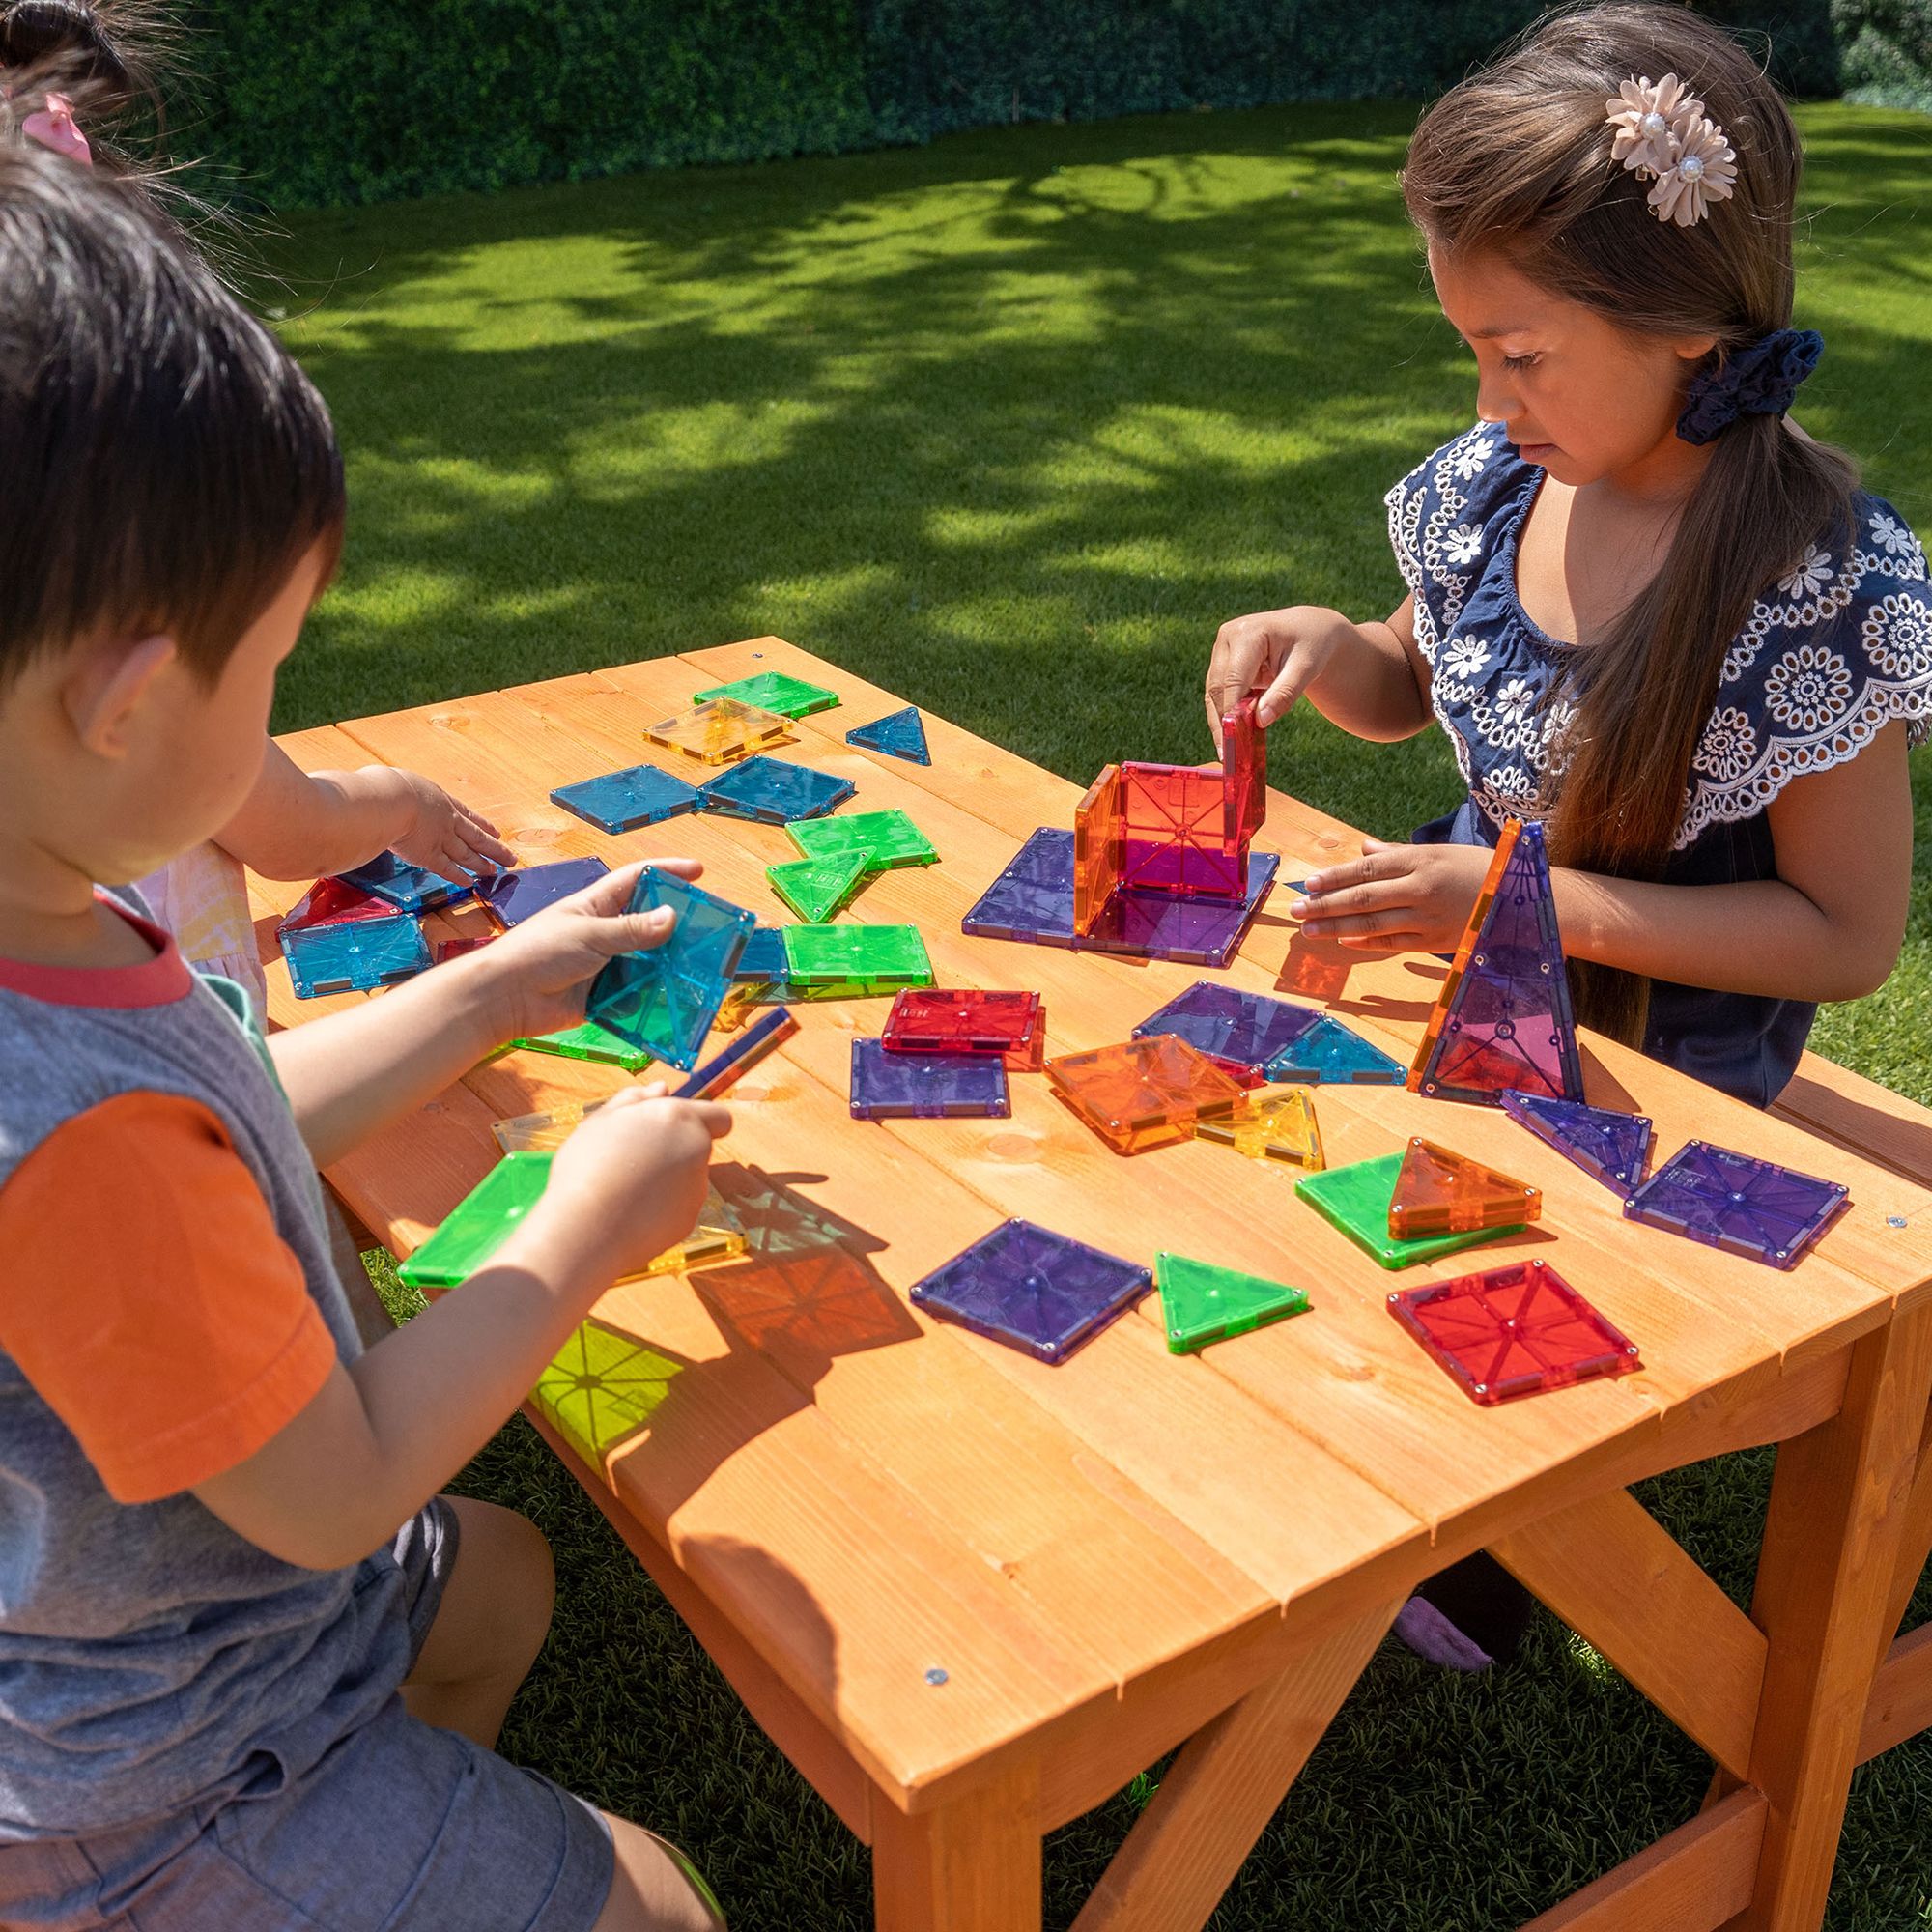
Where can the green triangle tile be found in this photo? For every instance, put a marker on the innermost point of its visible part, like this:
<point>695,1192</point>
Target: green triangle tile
<point>1201,1303</point>
<point>589,1041</point>
<point>814,889</point>
<point>1356,1200</point>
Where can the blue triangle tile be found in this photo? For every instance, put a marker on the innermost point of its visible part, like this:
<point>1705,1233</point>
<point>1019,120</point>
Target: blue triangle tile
<point>900,734</point>
<point>1330,1052</point>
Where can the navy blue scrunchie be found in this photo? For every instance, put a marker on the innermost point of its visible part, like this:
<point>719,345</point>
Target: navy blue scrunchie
<point>1760,379</point>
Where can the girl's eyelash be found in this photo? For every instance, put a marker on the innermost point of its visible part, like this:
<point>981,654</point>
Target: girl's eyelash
<point>1522,361</point>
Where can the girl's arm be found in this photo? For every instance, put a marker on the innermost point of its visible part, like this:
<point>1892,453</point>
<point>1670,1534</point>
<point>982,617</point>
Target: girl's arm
<point>1370,679</point>
<point>1828,927</point>
<point>307,825</point>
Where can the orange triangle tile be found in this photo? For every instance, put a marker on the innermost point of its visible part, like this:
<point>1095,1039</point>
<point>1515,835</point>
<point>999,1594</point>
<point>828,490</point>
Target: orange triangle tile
<point>1438,1192</point>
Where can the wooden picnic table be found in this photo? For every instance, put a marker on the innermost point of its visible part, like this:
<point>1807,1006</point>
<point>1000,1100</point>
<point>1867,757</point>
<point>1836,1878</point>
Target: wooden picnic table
<point>971,1595</point>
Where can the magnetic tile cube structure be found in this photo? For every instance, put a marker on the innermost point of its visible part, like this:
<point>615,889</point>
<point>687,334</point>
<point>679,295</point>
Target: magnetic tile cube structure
<point>815,888</point>
<point>1243,771</point>
<point>1327,1053</point>
<point>1278,1125</point>
<point>513,896</point>
<point>332,902</point>
<point>771,791</point>
<point>1438,1191</point>
<point>889,1086</point>
<point>1201,1303</point>
<point>1612,1147</point>
<point>882,839</point>
<point>1032,902</point>
<point>622,801</point>
<point>587,1040</point>
<point>774,691</point>
<point>1730,1201</point>
<point>1503,1017</point>
<point>900,734</point>
<point>666,997</point>
<point>958,1020</point>
<point>1145,1093</point>
<point>1038,1292</point>
<point>405,887</point>
<point>721,731</point>
<point>876,956</point>
<point>1513,1331</point>
<point>354,954</point>
<point>724,1070</point>
<point>1242,1033</point>
<point>1355,1199</point>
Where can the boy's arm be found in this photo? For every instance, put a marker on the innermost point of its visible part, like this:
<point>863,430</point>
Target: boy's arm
<point>381,1437</point>
<point>1370,679</point>
<point>351,1075</point>
<point>308,825</point>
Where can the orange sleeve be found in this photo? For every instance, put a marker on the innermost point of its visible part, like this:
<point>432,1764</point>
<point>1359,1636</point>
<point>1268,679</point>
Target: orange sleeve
<point>149,1298</point>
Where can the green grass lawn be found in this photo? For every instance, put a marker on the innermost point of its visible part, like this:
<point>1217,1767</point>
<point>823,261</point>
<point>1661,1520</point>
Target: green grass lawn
<point>1009,424</point>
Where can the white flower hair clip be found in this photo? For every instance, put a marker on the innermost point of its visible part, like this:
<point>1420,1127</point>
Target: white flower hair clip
<point>1664,137</point>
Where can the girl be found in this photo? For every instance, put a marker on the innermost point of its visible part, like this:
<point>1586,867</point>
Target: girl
<point>1647,609</point>
<point>296,825</point>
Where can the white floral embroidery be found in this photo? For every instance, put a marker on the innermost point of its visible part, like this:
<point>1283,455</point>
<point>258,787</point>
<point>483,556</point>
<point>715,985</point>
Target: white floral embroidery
<point>1810,577</point>
<point>1897,636</point>
<point>1808,687</point>
<point>1471,456</point>
<point>1465,545</point>
<point>1728,747</point>
<point>1515,700</point>
<point>1466,657</point>
<point>1892,536</point>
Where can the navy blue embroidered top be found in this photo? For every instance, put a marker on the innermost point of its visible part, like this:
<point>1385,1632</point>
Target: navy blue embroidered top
<point>1829,655</point>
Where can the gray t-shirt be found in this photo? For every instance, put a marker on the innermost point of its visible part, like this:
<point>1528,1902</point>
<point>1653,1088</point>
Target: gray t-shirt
<point>150,1658</point>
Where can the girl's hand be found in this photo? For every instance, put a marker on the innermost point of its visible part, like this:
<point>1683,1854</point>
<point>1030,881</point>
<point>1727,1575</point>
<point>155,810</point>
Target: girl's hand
<point>540,972</point>
<point>1396,898</point>
<point>440,832</point>
<point>1277,653</point>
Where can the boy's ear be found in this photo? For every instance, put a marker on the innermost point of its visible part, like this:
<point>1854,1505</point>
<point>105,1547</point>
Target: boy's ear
<point>107,688</point>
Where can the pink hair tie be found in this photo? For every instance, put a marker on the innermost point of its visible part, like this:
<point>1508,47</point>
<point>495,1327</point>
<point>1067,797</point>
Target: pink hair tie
<point>54,127</point>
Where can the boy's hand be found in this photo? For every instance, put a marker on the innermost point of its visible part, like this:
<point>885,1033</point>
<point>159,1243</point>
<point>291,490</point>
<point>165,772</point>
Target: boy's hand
<point>1396,898</point>
<point>440,832</point>
<point>540,972</point>
<point>1275,653</point>
<point>630,1180</point>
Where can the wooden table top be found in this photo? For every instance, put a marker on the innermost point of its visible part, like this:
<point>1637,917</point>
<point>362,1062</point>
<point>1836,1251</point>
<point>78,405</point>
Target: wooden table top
<point>869,1497</point>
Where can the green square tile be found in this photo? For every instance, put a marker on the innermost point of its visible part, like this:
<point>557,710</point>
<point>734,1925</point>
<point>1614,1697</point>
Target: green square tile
<point>876,956</point>
<point>590,1041</point>
<point>1201,1303</point>
<point>814,889</point>
<point>480,1223</point>
<point>774,691</point>
<point>1356,1200</point>
<point>885,839</point>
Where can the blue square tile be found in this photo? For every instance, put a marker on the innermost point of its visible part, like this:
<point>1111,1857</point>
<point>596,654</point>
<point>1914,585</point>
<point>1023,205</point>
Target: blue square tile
<point>622,801</point>
<point>355,955</point>
<point>666,999</point>
<point>773,792</point>
<point>405,887</point>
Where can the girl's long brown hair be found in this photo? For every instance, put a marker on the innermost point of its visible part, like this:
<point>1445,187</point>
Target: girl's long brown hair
<point>1517,161</point>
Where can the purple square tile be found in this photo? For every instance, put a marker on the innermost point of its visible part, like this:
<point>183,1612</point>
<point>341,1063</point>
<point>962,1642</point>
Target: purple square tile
<point>1038,1292</point>
<point>1241,1030</point>
<point>925,1085</point>
<point>513,896</point>
<point>1730,1201</point>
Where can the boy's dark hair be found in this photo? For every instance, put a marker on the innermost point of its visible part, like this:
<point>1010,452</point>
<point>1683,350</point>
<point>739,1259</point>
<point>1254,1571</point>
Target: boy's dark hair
<point>164,463</point>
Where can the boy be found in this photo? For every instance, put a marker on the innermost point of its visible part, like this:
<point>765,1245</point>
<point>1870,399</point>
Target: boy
<point>200,1656</point>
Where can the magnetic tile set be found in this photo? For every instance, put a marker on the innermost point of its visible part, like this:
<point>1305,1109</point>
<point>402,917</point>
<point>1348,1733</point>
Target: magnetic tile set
<point>1158,865</point>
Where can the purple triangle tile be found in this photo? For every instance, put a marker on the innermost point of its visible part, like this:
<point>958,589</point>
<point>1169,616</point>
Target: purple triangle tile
<point>1614,1146</point>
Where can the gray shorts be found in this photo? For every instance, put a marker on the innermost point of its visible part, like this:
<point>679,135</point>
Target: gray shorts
<point>399,1828</point>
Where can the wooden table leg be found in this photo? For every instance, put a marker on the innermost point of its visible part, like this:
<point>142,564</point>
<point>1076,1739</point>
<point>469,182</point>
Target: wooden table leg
<point>973,1866</point>
<point>1838,1514</point>
<point>1219,1793</point>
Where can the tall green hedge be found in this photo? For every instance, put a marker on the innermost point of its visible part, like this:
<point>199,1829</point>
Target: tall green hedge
<point>1886,57</point>
<point>321,101</point>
